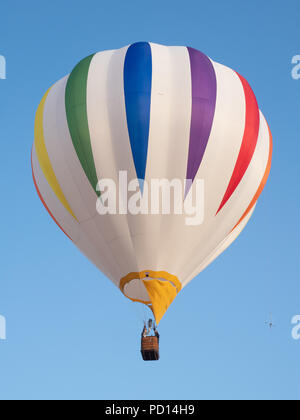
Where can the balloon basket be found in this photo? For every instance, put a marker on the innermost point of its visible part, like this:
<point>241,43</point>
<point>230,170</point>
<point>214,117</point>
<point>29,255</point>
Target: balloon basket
<point>150,348</point>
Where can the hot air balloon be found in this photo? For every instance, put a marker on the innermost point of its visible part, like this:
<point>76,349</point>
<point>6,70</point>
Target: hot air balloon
<point>151,112</point>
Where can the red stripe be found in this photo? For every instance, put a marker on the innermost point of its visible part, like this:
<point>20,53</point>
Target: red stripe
<point>43,201</point>
<point>262,184</point>
<point>248,144</point>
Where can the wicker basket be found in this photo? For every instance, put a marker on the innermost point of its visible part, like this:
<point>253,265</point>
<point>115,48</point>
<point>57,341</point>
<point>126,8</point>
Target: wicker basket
<point>150,348</point>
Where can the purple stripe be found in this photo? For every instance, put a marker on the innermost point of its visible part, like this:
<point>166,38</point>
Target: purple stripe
<point>204,92</point>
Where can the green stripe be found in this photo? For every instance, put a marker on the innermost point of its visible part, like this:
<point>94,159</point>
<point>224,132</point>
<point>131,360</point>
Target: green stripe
<point>76,109</point>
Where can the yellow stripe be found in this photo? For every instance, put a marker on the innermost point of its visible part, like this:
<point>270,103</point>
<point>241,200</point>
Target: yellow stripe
<point>43,157</point>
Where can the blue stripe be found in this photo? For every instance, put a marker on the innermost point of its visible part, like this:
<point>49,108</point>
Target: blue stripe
<point>137,88</point>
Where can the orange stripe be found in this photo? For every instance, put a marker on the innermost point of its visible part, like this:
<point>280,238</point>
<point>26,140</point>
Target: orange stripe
<point>262,184</point>
<point>249,141</point>
<point>43,201</point>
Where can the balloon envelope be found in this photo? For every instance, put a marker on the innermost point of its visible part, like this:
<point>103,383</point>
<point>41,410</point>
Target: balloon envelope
<point>153,113</point>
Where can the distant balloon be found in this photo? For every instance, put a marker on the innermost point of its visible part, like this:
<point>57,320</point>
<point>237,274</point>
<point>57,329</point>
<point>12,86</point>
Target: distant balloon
<point>154,112</point>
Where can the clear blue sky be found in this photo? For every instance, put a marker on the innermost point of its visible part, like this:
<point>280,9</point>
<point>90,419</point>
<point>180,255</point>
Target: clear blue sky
<point>70,332</point>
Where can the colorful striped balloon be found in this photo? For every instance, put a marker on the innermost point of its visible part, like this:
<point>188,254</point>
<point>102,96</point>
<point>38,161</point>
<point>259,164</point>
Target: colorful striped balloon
<point>154,112</point>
